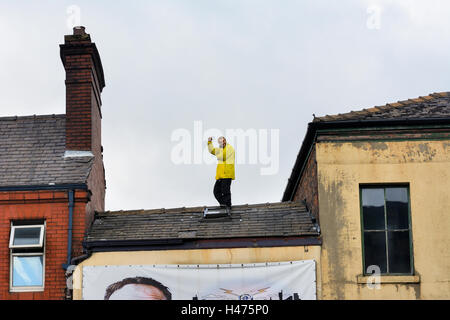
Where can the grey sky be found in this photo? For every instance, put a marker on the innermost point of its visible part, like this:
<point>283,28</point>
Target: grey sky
<point>261,64</point>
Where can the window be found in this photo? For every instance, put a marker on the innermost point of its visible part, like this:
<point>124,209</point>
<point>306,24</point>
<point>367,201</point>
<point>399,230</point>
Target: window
<point>386,225</point>
<point>26,236</point>
<point>27,260</point>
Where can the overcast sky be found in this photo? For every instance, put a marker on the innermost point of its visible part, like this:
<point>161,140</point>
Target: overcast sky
<point>260,65</point>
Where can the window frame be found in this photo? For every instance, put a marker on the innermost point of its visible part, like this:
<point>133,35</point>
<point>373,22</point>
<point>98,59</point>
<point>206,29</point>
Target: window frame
<point>384,186</point>
<point>24,251</point>
<point>13,288</point>
<point>13,233</point>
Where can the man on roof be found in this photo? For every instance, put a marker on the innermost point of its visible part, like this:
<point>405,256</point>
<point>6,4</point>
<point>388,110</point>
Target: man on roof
<point>225,170</point>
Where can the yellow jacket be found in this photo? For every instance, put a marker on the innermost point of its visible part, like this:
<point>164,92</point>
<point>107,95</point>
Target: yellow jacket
<point>225,157</point>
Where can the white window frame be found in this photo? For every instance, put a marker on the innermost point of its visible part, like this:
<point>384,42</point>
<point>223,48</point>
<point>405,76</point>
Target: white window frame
<point>13,232</point>
<point>24,288</point>
<point>13,253</point>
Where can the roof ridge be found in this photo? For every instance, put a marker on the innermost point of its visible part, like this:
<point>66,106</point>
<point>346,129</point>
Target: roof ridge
<point>34,116</point>
<point>441,94</point>
<point>201,208</point>
<point>387,106</point>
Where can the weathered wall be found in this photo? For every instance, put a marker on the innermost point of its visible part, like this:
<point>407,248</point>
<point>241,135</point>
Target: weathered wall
<point>199,256</point>
<point>342,167</point>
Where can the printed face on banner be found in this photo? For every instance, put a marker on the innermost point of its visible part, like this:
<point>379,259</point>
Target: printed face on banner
<point>291,280</point>
<point>138,292</point>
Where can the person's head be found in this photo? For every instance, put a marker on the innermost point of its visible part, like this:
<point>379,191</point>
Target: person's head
<point>222,141</point>
<point>138,288</point>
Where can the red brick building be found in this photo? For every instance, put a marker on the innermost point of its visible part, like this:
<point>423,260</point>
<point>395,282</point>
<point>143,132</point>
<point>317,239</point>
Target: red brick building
<point>52,180</point>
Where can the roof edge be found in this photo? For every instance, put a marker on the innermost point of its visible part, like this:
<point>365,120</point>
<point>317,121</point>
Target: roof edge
<point>184,244</point>
<point>78,186</point>
<point>34,116</point>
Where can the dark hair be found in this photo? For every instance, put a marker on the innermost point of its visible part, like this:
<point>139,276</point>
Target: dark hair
<point>137,280</point>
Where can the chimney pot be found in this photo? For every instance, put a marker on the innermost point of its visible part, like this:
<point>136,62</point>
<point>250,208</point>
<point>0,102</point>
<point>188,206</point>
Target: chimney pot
<point>79,30</point>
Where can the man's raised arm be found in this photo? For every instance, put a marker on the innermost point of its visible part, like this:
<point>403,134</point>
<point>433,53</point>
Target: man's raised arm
<point>211,146</point>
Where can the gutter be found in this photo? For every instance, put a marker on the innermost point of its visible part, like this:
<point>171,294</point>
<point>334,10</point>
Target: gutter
<point>311,134</point>
<point>81,258</point>
<point>190,244</point>
<point>80,186</point>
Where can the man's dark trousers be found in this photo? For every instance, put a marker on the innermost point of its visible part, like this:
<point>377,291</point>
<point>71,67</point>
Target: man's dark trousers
<point>222,191</point>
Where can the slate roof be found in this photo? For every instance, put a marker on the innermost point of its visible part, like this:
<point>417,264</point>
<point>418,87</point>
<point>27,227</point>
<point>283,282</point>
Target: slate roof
<point>435,105</point>
<point>32,153</point>
<point>257,220</point>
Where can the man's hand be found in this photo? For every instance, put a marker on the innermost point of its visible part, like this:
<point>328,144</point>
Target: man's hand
<point>209,139</point>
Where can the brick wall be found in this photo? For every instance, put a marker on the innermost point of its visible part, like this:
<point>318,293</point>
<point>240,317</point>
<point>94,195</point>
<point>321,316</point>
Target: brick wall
<point>96,180</point>
<point>78,102</point>
<point>308,185</point>
<point>53,207</point>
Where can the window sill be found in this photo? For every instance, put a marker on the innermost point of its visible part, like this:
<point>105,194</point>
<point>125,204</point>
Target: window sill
<point>18,290</point>
<point>389,279</point>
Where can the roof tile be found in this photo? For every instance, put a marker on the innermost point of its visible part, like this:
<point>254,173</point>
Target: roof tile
<point>435,105</point>
<point>268,219</point>
<point>32,152</point>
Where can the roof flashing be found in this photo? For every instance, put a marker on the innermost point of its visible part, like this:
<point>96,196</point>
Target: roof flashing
<point>77,154</point>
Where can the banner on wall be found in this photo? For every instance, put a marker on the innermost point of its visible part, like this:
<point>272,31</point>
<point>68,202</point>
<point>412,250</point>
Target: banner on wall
<point>292,280</point>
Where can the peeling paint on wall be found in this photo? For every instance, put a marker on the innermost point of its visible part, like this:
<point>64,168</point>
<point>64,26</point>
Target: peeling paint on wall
<point>341,168</point>
<point>334,227</point>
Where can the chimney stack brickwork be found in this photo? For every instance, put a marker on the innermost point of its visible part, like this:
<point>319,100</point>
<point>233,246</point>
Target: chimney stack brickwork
<point>84,84</point>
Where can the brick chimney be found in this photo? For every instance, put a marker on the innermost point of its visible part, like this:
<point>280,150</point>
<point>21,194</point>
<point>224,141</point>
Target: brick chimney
<point>84,84</point>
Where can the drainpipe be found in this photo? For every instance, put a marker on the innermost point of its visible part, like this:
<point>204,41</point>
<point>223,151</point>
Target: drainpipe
<point>69,231</point>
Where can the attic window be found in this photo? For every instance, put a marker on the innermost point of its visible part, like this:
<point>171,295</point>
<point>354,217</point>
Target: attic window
<point>216,212</point>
